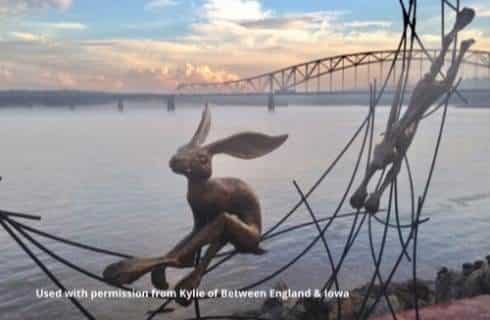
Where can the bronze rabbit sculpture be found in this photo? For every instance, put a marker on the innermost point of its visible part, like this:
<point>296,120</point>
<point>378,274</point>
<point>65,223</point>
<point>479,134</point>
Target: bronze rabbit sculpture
<point>225,210</point>
<point>400,133</point>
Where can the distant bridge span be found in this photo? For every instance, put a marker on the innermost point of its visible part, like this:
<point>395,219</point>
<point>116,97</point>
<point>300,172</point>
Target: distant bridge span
<point>298,78</point>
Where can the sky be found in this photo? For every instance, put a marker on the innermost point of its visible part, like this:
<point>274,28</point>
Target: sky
<point>153,45</point>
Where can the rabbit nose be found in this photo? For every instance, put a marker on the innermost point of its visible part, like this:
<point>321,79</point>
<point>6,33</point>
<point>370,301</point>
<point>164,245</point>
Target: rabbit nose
<point>178,164</point>
<point>175,163</point>
<point>172,162</point>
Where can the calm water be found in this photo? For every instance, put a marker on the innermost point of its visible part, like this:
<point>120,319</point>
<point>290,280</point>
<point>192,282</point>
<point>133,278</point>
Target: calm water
<point>101,177</point>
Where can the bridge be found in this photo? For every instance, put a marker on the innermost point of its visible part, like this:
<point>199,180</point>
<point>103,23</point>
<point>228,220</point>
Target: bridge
<point>335,79</point>
<point>347,73</point>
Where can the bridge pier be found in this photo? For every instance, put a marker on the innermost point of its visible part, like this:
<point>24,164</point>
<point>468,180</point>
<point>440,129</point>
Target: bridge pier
<point>271,104</point>
<point>171,103</point>
<point>120,105</point>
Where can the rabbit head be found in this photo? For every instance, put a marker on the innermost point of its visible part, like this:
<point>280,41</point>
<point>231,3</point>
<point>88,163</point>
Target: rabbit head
<point>193,160</point>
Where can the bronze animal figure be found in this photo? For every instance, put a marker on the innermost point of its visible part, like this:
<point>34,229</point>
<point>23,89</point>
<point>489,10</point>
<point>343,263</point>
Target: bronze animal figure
<point>400,133</point>
<point>225,210</point>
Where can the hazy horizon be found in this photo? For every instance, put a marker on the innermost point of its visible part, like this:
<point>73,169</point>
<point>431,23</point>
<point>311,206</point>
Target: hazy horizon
<point>152,45</point>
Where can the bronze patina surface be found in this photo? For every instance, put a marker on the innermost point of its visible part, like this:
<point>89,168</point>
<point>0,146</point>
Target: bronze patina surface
<point>399,133</point>
<point>225,210</point>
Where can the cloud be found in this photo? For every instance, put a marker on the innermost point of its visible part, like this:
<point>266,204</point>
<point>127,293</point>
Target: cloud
<point>483,11</point>
<point>220,46</point>
<point>204,73</point>
<point>16,7</point>
<point>5,73</point>
<point>159,4</point>
<point>66,80</point>
<point>154,79</point>
<point>313,19</point>
<point>26,36</point>
<point>481,7</point>
<point>126,65</point>
<point>234,10</point>
<point>366,24</point>
<point>218,50</point>
<point>66,25</point>
<point>155,65</point>
<point>226,40</point>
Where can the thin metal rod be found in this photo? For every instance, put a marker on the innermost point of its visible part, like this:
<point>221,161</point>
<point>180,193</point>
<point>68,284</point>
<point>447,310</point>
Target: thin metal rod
<point>19,215</point>
<point>45,269</point>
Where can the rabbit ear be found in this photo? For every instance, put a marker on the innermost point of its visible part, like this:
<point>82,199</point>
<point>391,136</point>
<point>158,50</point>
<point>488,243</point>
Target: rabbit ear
<point>203,128</point>
<point>247,145</point>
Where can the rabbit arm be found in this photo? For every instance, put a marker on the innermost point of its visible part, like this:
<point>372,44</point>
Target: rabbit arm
<point>383,155</point>
<point>193,279</point>
<point>225,227</point>
<point>187,261</point>
<point>129,270</point>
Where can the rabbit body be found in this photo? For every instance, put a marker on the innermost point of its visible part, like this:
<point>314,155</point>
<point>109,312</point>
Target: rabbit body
<point>225,210</point>
<point>212,197</point>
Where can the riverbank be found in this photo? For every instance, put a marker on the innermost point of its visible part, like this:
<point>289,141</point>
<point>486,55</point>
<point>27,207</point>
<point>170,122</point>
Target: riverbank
<point>449,285</point>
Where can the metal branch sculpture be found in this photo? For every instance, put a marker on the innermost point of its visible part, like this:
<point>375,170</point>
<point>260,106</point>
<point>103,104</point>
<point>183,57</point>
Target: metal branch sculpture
<point>400,132</point>
<point>225,210</point>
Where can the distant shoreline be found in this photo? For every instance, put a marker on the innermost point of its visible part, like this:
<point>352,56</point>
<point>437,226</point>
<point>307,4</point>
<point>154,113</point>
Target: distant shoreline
<point>477,98</point>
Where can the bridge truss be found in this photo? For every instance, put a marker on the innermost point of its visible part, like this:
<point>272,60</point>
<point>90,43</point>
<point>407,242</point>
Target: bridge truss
<point>336,73</point>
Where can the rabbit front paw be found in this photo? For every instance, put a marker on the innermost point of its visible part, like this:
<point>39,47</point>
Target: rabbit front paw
<point>358,198</point>
<point>159,278</point>
<point>372,203</point>
<point>124,272</point>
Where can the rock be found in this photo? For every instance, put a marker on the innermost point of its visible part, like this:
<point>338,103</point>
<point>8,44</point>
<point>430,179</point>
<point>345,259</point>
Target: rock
<point>272,303</point>
<point>478,264</point>
<point>467,268</point>
<point>273,314</point>
<point>486,282</point>
<point>382,307</point>
<point>442,270</point>
<point>473,283</point>
<point>295,313</point>
<point>248,314</point>
<point>405,293</point>
<point>376,289</point>
<point>349,307</point>
<point>315,309</point>
<point>278,309</point>
<point>447,286</point>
